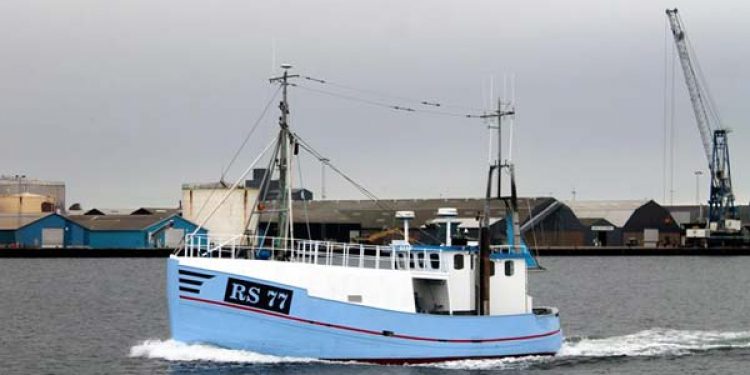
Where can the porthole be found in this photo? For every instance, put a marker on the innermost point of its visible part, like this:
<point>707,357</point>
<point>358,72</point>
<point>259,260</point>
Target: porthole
<point>458,261</point>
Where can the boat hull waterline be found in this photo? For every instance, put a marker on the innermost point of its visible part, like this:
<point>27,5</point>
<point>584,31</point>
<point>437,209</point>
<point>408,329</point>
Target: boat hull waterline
<point>241,312</point>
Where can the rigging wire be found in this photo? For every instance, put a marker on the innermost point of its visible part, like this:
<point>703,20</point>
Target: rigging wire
<point>234,186</point>
<point>304,198</point>
<point>664,112</point>
<point>383,104</point>
<point>672,128</point>
<point>263,187</point>
<point>239,150</point>
<point>306,146</point>
<point>381,94</point>
<point>533,232</point>
<point>250,133</point>
<point>710,103</point>
<point>379,202</point>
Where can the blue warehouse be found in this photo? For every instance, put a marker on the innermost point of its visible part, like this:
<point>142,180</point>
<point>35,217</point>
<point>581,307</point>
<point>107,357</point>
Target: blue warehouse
<point>142,229</point>
<point>134,231</point>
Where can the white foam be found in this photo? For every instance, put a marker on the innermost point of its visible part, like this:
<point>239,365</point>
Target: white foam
<point>171,350</point>
<point>649,343</point>
<point>512,363</point>
<point>656,342</point>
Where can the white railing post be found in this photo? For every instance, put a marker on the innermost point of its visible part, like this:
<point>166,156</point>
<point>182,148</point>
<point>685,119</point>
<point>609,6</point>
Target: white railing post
<point>361,256</point>
<point>377,257</point>
<point>315,257</point>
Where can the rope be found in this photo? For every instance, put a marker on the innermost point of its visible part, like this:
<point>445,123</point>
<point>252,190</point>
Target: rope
<point>234,186</point>
<point>381,94</point>
<point>327,162</point>
<point>239,150</point>
<point>380,203</point>
<point>709,104</point>
<point>664,111</point>
<point>304,199</point>
<point>381,104</point>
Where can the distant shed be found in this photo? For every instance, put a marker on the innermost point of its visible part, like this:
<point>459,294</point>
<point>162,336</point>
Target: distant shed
<point>9,224</point>
<point>140,231</point>
<point>651,225</point>
<point>51,231</point>
<point>602,232</point>
<point>548,223</point>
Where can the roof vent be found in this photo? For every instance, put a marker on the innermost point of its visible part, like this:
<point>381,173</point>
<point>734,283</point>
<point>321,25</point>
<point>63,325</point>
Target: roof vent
<point>447,212</point>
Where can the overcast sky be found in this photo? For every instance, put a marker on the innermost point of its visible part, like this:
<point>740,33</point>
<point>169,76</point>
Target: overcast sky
<point>126,100</point>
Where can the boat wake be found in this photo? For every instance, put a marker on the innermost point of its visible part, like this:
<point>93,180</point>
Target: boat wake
<point>649,343</point>
<point>171,350</point>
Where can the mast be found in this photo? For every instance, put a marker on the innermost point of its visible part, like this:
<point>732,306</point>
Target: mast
<point>284,159</point>
<point>483,276</point>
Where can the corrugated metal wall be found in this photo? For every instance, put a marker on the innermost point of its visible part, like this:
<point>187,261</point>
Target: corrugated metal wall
<point>31,235</point>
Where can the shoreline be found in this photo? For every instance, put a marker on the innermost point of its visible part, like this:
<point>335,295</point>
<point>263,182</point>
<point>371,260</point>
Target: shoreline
<point>567,251</point>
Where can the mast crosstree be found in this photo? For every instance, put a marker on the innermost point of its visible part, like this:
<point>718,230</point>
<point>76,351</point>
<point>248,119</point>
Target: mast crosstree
<point>285,219</point>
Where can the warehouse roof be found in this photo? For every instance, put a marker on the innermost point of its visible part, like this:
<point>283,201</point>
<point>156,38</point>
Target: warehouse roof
<point>653,216</point>
<point>691,213</point>
<point>109,211</point>
<point>15,180</point>
<point>156,211</point>
<point>377,215</point>
<point>118,222</point>
<point>616,212</point>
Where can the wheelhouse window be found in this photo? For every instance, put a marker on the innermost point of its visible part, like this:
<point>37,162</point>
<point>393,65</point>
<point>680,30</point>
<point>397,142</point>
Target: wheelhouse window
<point>458,261</point>
<point>509,268</point>
<point>435,261</point>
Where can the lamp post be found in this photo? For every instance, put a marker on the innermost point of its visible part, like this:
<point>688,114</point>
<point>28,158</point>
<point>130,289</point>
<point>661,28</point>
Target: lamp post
<point>323,163</point>
<point>698,193</point>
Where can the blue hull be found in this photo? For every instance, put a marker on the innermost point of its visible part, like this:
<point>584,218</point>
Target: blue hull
<point>202,310</point>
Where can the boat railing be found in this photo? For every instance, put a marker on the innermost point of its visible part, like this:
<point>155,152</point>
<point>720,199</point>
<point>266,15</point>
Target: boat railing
<point>509,249</point>
<point>326,253</point>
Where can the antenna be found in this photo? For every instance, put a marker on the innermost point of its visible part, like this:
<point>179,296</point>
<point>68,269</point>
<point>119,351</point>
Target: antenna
<point>512,118</point>
<point>273,56</point>
<point>489,123</point>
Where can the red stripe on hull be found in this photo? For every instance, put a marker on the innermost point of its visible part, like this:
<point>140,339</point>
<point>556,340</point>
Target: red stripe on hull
<point>416,361</point>
<point>367,331</point>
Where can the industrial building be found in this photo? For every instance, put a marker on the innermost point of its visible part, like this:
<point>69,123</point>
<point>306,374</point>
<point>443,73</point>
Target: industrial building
<point>552,223</point>
<point>651,225</point>
<point>544,222</point>
<point>271,191</point>
<point>374,221</point>
<point>19,194</point>
<point>218,208</point>
<point>132,231</point>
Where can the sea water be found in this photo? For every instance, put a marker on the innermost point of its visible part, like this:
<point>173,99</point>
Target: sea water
<point>620,315</point>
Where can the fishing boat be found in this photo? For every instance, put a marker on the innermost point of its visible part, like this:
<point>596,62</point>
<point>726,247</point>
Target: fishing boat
<point>402,302</point>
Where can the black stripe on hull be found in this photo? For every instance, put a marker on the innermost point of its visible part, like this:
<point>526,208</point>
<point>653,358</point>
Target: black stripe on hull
<point>191,282</point>
<point>189,290</point>
<point>195,274</point>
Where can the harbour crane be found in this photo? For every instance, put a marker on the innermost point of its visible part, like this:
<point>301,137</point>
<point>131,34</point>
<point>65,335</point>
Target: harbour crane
<point>723,224</point>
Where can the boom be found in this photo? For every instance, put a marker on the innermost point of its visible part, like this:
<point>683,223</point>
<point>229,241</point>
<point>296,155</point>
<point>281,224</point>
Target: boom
<point>721,209</point>
<point>697,97</point>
